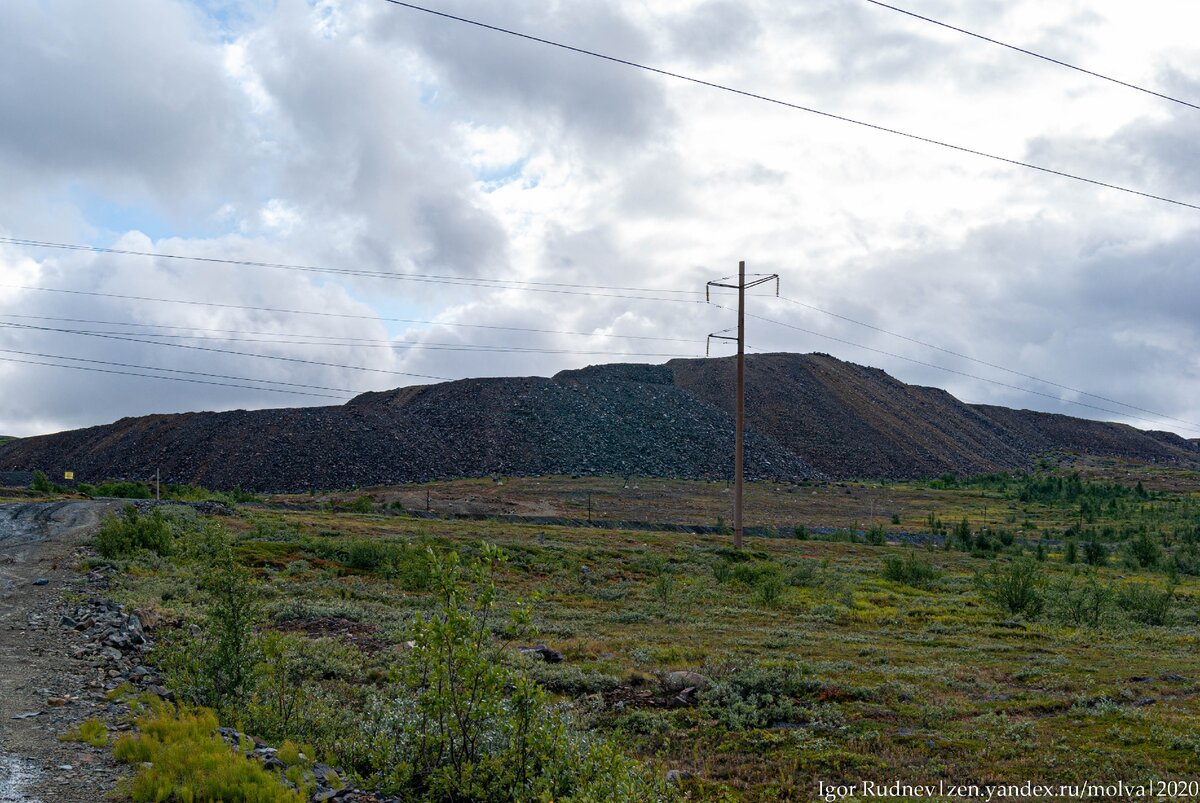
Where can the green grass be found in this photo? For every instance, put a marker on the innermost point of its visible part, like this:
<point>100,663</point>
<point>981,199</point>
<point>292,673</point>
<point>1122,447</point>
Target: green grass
<point>180,757</point>
<point>827,659</point>
<point>90,731</point>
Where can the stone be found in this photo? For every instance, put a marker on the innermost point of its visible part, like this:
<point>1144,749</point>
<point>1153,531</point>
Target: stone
<point>678,681</point>
<point>68,623</point>
<point>548,655</point>
<point>677,776</point>
<point>41,581</point>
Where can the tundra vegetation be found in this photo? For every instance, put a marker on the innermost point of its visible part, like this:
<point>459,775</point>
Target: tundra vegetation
<point>996,628</point>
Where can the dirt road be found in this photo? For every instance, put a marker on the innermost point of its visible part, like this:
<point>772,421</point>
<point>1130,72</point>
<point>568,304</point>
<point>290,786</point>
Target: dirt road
<point>43,689</point>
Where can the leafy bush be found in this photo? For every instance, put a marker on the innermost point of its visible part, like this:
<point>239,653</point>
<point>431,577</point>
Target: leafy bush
<point>876,535</point>
<point>1087,603</point>
<point>768,590</point>
<point>1145,604</point>
<point>1095,553</point>
<point>910,570</point>
<point>180,757</point>
<point>363,504</point>
<point>197,493</point>
<point>216,668</point>
<point>366,554</point>
<point>738,710</point>
<point>460,725</point>
<point>802,573</point>
<point>123,490</point>
<point>1070,552</point>
<point>41,483</point>
<point>131,532</point>
<point>1145,553</point>
<point>759,695</point>
<point>567,679</point>
<point>752,573</point>
<point>1014,587</point>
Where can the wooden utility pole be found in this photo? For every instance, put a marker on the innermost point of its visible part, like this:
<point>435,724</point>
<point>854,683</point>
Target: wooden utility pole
<point>739,437</point>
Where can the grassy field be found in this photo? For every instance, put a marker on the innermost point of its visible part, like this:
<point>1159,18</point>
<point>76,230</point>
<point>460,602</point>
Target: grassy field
<point>984,657</point>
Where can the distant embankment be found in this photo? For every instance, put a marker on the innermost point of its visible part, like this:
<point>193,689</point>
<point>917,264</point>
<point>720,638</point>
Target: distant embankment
<point>808,416</point>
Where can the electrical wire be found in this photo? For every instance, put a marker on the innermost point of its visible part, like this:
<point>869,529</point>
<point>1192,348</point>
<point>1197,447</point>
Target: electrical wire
<point>978,361</point>
<point>346,315</point>
<point>943,368</point>
<point>330,340</point>
<point>1028,52</point>
<point>452,281</point>
<point>227,351</point>
<point>396,345</point>
<point>166,378</point>
<point>190,373</point>
<point>795,106</point>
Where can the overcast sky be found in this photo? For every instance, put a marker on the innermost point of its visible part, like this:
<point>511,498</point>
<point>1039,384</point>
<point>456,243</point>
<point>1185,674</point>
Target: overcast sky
<point>356,134</point>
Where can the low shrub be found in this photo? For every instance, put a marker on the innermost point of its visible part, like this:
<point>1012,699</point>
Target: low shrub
<point>180,757</point>
<point>1080,603</point>
<point>768,590</point>
<point>461,725</point>
<point>876,535</point>
<point>910,570</point>
<point>41,483</point>
<point>1014,587</point>
<point>132,532</point>
<point>1095,553</point>
<point>217,667</point>
<point>1145,554</point>
<point>90,731</point>
<point>1146,604</point>
<point>123,490</point>
<point>363,504</point>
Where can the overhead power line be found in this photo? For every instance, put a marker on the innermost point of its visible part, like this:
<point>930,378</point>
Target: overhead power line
<point>167,378</point>
<point>23,326</point>
<point>947,370</point>
<point>295,339</point>
<point>560,288</point>
<point>346,315</point>
<point>1028,52</point>
<point>978,361</point>
<point>193,373</point>
<point>795,106</point>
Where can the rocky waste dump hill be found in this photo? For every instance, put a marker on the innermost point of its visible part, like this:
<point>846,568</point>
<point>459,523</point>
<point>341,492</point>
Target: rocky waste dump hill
<point>850,421</point>
<point>808,417</point>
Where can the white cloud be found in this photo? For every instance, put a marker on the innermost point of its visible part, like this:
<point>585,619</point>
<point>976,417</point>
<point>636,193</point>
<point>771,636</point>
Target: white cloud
<point>355,134</point>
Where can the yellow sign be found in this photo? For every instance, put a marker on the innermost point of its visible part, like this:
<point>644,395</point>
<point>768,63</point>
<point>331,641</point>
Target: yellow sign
<point>68,475</point>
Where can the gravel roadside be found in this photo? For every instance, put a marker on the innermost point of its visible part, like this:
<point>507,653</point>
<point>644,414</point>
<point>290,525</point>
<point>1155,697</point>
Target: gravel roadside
<point>44,689</point>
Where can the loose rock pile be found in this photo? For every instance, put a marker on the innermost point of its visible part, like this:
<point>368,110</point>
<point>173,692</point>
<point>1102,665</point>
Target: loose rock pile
<point>116,640</point>
<point>326,779</point>
<point>808,417</point>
